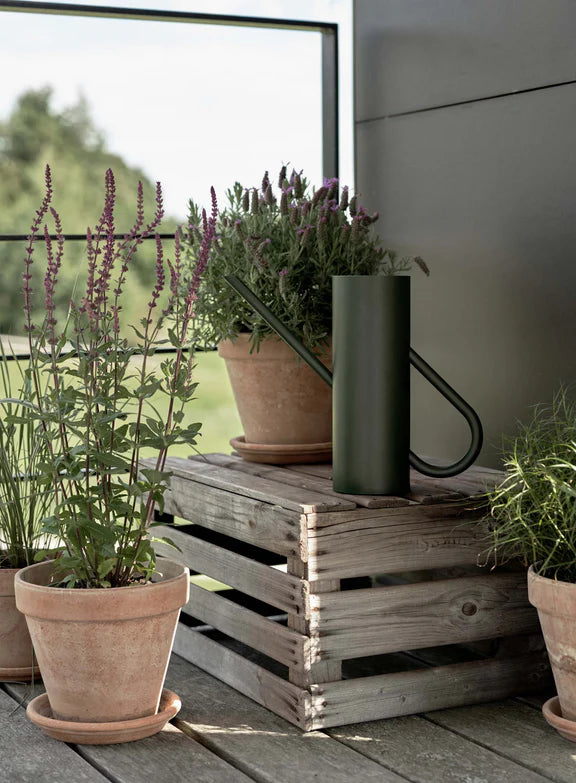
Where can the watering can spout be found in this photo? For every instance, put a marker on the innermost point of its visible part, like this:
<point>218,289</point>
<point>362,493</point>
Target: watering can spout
<point>436,471</point>
<point>274,323</point>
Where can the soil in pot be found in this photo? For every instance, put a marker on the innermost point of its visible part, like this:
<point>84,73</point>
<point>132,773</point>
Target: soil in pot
<point>280,399</point>
<point>17,663</point>
<point>103,652</point>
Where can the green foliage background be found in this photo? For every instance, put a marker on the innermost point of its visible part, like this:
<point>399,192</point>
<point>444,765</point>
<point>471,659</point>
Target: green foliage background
<point>35,134</point>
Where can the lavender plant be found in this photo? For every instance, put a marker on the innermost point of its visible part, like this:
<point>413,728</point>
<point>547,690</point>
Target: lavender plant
<point>96,412</point>
<point>286,246</point>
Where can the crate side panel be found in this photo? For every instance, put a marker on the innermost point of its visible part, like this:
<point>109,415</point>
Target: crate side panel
<point>423,614</point>
<point>393,542</point>
<point>282,644</point>
<point>263,582</point>
<point>424,690</point>
<point>282,697</point>
<point>253,521</point>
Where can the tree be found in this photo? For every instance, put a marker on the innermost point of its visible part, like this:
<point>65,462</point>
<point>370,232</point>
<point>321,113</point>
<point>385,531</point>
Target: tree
<point>35,134</point>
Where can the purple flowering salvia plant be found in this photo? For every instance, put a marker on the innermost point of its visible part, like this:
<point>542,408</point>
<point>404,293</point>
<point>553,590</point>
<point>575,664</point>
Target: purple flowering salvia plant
<point>286,246</point>
<point>92,401</point>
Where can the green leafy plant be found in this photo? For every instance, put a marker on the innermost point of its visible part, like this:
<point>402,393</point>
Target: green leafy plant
<point>94,406</point>
<point>24,500</point>
<point>533,511</point>
<point>286,247</point>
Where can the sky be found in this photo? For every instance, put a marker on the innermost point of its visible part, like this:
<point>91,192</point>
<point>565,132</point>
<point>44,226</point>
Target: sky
<point>191,105</point>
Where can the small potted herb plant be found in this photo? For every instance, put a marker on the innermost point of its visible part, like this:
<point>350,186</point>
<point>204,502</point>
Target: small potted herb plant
<point>533,517</point>
<point>285,242</point>
<point>24,502</point>
<point>103,613</point>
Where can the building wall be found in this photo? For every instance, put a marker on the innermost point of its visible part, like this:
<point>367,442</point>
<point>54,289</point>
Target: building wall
<point>465,119</point>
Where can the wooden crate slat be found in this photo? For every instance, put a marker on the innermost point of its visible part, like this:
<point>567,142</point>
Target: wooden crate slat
<point>253,521</point>
<point>266,636</point>
<point>283,495</point>
<point>322,475</point>
<point>426,614</point>
<point>250,577</point>
<point>285,699</point>
<point>292,478</point>
<point>423,690</point>
<point>437,597</point>
<point>393,544</point>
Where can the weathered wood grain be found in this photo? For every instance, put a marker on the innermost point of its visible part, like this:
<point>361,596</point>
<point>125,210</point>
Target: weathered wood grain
<point>292,498</point>
<point>162,758</point>
<point>402,540</point>
<point>315,669</point>
<point>516,731</point>
<point>425,753</point>
<point>260,743</point>
<point>411,692</point>
<point>284,645</point>
<point>253,521</point>
<point>27,754</point>
<point>282,476</point>
<point>282,697</point>
<point>247,575</point>
<point>426,614</point>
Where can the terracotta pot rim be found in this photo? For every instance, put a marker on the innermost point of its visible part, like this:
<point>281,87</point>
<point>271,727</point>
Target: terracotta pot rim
<point>552,596</point>
<point>271,346</point>
<point>95,604</point>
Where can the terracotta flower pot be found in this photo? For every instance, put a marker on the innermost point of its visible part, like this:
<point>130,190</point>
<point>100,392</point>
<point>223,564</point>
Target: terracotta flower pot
<point>280,399</point>
<point>556,605</point>
<point>16,654</point>
<point>103,652</point>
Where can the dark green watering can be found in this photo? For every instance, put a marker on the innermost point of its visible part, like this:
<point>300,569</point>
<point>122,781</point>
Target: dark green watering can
<point>371,384</point>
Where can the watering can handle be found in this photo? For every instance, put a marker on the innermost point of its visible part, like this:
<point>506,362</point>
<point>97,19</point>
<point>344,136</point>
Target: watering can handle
<point>444,471</point>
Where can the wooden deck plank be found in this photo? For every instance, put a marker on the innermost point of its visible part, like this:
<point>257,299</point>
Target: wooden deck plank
<point>260,743</point>
<point>425,753</point>
<point>169,756</point>
<point>255,487</point>
<point>27,754</point>
<point>517,731</point>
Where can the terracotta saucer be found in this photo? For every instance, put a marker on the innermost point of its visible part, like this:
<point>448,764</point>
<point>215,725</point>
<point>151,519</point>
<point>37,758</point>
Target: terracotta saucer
<point>40,713</point>
<point>22,674</point>
<point>284,454</point>
<point>553,715</point>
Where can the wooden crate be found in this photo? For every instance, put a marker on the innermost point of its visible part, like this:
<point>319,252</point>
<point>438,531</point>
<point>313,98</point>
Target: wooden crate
<point>336,609</point>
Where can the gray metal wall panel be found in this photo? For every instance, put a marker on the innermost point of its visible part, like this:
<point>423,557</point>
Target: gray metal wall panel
<point>412,54</point>
<point>486,193</point>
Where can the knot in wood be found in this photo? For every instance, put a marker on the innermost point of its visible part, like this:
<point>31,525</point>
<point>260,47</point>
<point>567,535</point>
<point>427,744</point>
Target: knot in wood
<point>469,609</point>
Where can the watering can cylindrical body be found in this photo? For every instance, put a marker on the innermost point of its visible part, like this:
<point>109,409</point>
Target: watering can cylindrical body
<point>371,384</point>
